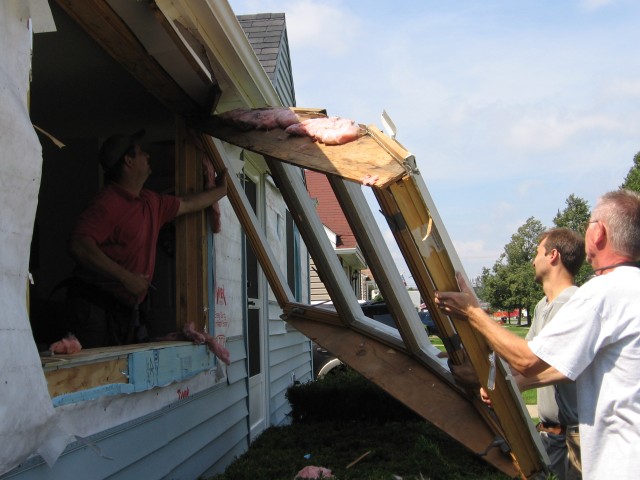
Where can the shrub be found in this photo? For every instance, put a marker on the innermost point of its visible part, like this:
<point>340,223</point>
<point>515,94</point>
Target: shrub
<point>345,396</point>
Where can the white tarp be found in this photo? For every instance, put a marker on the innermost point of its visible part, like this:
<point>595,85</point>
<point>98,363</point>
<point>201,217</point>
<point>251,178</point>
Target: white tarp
<point>27,422</point>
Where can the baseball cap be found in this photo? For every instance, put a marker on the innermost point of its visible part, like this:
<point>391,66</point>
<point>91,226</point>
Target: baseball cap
<point>114,148</point>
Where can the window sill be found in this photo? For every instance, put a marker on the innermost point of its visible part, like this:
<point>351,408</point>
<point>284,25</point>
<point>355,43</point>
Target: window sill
<point>98,372</point>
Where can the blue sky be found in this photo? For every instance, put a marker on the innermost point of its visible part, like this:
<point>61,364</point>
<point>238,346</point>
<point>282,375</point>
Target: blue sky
<point>509,107</point>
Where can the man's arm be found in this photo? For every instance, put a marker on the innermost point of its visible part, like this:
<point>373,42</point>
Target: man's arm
<point>85,251</point>
<point>201,200</point>
<point>509,346</point>
<point>549,376</point>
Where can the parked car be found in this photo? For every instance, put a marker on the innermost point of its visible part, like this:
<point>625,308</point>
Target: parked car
<point>379,311</point>
<point>324,362</point>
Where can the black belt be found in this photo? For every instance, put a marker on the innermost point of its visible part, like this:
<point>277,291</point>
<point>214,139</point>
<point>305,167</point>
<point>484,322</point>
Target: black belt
<point>554,428</point>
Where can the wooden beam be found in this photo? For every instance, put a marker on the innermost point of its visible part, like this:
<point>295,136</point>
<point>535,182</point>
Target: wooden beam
<point>104,25</point>
<point>426,246</point>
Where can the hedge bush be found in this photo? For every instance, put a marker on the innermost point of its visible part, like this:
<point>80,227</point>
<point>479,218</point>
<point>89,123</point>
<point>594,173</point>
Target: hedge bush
<point>344,396</point>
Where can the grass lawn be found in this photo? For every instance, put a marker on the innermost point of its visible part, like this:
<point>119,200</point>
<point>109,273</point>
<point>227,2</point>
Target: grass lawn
<point>412,450</point>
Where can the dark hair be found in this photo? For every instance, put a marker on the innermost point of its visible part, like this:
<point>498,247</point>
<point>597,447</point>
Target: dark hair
<point>115,173</point>
<point>620,212</point>
<point>569,244</point>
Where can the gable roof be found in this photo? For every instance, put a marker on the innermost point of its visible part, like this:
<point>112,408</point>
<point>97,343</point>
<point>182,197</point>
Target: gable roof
<point>267,34</point>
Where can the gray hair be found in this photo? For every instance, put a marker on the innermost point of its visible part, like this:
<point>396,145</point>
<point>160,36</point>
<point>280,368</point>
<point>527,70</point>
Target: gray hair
<point>620,212</point>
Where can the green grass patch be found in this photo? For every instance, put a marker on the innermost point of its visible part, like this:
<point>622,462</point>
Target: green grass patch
<point>520,331</point>
<point>412,450</point>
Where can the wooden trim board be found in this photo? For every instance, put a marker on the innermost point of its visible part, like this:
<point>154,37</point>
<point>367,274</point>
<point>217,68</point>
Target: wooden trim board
<point>246,216</point>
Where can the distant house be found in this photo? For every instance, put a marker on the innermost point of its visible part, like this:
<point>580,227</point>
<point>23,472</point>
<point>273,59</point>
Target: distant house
<point>341,237</point>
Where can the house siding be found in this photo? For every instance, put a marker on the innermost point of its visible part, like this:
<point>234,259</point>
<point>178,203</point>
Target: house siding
<point>289,351</point>
<point>180,441</point>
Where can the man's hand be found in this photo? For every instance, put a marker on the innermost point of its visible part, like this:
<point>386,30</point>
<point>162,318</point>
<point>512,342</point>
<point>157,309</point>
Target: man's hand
<point>201,200</point>
<point>221,179</point>
<point>136,284</point>
<point>460,303</point>
<point>464,374</point>
<point>484,396</point>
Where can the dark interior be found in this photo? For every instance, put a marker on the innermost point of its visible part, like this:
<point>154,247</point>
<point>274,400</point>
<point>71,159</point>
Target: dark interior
<point>80,95</point>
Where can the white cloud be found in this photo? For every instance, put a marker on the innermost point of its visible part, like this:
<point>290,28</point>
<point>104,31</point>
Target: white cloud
<point>591,5</point>
<point>554,131</point>
<point>623,88</point>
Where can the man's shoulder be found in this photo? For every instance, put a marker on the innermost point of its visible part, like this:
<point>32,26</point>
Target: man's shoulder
<point>566,294</point>
<point>111,192</point>
<point>148,194</point>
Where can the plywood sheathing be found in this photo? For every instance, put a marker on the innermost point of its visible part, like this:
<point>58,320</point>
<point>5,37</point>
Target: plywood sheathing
<point>363,159</point>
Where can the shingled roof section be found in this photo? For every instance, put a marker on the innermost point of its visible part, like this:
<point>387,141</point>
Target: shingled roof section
<point>267,34</point>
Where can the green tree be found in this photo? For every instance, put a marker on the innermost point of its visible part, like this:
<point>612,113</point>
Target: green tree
<point>510,283</point>
<point>493,287</point>
<point>632,180</point>
<point>576,216</point>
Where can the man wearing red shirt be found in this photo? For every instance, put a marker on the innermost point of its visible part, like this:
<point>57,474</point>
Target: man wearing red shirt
<point>114,244</point>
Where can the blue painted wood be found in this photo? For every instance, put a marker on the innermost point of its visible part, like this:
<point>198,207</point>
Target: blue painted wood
<point>162,366</point>
<point>92,393</point>
<point>149,369</point>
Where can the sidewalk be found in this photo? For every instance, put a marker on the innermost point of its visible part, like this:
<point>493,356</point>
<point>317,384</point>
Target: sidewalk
<point>533,410</point>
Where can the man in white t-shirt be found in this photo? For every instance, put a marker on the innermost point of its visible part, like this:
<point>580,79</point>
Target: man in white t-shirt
<point>594,340</point>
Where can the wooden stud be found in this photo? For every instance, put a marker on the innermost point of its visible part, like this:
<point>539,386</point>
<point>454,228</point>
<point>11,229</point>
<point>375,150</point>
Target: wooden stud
<point>191,234</point>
